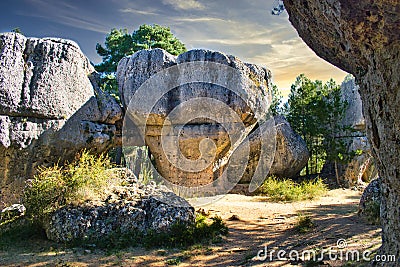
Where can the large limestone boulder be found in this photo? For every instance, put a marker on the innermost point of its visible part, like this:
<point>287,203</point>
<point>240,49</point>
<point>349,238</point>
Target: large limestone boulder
<point>362,37</point>
<point>131,209</point>
<point>361,169</point>
<point>50,108</point>
<point>353,116</point>
<point>291,153</point>
<point>231,96</point>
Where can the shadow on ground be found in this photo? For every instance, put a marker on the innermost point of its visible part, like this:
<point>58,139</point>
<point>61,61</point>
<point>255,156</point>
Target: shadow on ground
<point>240,248</point>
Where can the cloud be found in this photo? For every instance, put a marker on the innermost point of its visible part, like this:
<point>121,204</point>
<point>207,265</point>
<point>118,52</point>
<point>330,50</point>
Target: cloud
<point>245,29</point>
<point>184,4</point>
<point>70,21</point>
<point>136,11</point>
<point>64,13</point>
<point>198,19</point>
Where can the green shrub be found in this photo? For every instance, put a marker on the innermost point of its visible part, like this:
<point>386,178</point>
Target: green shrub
<point>304,223</point>
<point>87,178</point>
<point>288,190</point>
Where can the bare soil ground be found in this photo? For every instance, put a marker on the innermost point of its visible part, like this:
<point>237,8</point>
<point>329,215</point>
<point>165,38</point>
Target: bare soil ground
<point>258,224</point>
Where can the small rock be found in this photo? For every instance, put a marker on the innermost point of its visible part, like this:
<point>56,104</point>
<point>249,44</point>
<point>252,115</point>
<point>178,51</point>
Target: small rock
<point>234,217</point>
<point>15,210</point>
<point>372,193</point>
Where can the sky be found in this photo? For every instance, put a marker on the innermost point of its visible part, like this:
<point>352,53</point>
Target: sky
<point>244,28</point>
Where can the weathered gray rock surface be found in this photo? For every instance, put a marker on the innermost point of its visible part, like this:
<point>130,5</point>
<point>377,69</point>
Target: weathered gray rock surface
<point>362,168</point>
<point>371,196</point>
<point>184,82</point>
<point>50,108</point>
<point>291,154</point>
<point>354,113</point>
<point>362,38</point>
<point>131,209</point>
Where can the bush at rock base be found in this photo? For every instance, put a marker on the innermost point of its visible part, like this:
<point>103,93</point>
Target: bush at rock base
<point>86,178</point>
<point>88,202</point>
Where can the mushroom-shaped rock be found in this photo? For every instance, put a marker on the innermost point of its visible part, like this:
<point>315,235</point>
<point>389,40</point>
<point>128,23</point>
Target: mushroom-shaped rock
<point>192,110</point>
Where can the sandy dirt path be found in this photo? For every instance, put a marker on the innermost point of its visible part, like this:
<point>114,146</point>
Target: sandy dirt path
<point>261,224</point>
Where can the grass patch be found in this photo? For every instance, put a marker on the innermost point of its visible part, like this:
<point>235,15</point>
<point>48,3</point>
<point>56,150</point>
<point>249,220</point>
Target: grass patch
<point>288,190</point>
<point>87,178</point>
<point>179,259</point>
<point>304,224</point>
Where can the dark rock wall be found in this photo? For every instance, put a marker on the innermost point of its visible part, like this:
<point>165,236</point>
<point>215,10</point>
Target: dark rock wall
<point>362,37</point>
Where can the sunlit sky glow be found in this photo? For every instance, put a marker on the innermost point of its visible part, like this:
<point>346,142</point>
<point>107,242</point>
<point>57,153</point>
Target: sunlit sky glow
<point>242,28</point>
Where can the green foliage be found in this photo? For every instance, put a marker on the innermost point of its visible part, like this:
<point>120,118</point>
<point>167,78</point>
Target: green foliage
<point>304,223</point>
<point>373,212</point>
<point>335,109</point>
<point>56,186</point>
<point>288,190</point>
<point>183,236</point>
<point>108,83</point>
<point>156,36</point>
<point>120,43</point>
<point>314,110</point>
<point>275,107</point>
<point>17,30</point>
<point>178,260</point>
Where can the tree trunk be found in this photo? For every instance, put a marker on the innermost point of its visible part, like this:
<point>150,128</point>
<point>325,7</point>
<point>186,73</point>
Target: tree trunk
<point>138,161</point>
<point>337,173</point>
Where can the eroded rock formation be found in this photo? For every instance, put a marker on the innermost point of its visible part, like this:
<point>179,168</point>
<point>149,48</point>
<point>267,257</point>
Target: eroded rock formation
<point>362,37</point>
<point>132,209</point>
<point>200,120</point>
<point>291,153</point>
<point>50,108</point>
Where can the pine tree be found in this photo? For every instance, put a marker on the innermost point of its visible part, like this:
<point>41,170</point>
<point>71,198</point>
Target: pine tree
<point>120,43</point>
<point>314,110</point>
